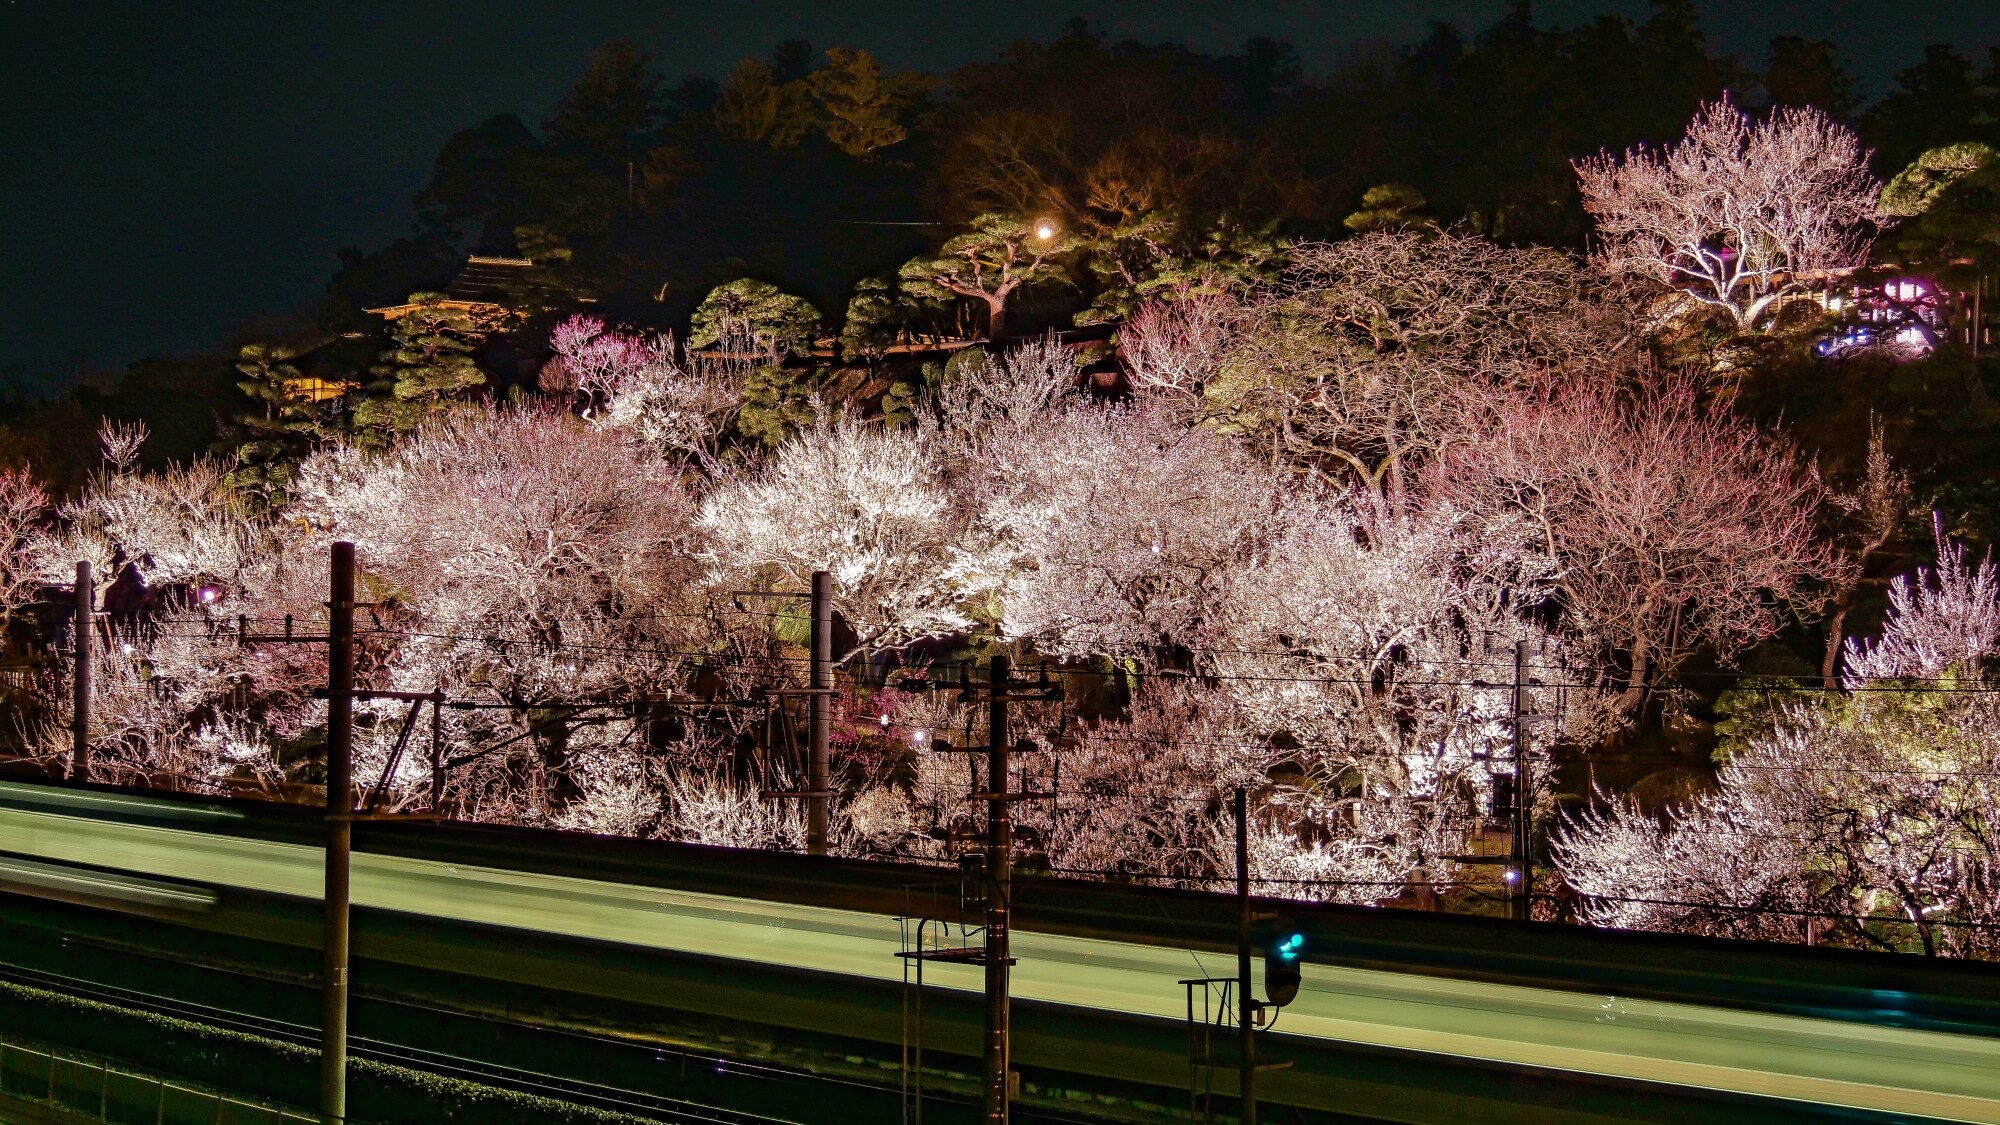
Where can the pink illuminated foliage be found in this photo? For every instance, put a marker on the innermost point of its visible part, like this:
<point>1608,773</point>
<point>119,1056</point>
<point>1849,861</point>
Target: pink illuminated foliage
<point>1298,562</point>
<point>1741,215</point>
<point>1670,522</point>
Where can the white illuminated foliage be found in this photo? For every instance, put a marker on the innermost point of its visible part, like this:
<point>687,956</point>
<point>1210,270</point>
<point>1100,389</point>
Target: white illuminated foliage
<point>24,508</point>
<point>715,810</point>
<point>520,558</point>
<point>1338,641</point>
<point>1376,646</point>
<point>993,393</point>
<point>1173,348</point>
<point>1141,796</point>
<point>180,525</point>
<point>1741,215</point>
<point>1867,814</point>
<point>1940,619</point>
<point>868,504</point>
<point>1110,531</point>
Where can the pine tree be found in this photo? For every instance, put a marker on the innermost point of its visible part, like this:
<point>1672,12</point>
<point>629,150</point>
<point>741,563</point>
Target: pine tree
<point>428,364</point>
<point>290,415</point>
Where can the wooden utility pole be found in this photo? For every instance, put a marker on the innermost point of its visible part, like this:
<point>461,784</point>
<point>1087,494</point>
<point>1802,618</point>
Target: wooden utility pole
<point>999,898</point>
<point>1246,1002</point>
<point>82,637</point>
<point>819,761</point>
<point>339,836</point>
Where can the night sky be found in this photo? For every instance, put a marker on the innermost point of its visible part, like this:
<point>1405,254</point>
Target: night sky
<point>175,168</point>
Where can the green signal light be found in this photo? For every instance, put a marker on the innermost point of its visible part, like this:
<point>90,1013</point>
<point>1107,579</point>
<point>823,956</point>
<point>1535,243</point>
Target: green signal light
<point>1290,947</point>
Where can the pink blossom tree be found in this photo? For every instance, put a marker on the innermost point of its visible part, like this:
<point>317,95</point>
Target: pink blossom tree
<point>636,386</point>
<point>1741,215</point>
<point>1173,348</point>
<point>1671,523</point>
<point>24,506</point>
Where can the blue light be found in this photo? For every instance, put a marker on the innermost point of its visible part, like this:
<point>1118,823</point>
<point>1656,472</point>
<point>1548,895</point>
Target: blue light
<point>1289,949</point>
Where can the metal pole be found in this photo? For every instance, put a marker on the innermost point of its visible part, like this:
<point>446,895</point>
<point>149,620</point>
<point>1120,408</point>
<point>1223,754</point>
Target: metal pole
<point>437,756</point>
<point>999,873</point>
<point>339,835</point>
<point>82,629</point>
<point>1246,1004</point>
<point>1523,856</point>
<point>819,766</point>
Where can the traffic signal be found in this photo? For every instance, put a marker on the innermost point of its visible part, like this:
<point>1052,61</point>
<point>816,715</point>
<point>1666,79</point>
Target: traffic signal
<point>1282,957</point>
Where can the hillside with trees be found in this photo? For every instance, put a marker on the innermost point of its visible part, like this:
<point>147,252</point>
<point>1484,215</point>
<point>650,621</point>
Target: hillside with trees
<point>1307,430</point>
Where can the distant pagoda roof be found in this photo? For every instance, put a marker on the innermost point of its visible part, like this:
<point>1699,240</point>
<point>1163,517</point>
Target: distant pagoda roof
<point>482,283</point>
<point>491,280</point>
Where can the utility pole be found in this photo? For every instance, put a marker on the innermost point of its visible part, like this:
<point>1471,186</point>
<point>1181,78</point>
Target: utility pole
<point>339,835</point>
<point>999,896</point>
<point>1246,1003</point>
<point>996,876</point>
<point>81,637</point>
<point>1521,857</point>
<point>819,762</point>
<point>818,791</point>
<point>340,815</point>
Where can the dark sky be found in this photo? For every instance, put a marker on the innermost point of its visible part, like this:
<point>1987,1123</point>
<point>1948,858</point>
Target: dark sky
<point>172,168</point>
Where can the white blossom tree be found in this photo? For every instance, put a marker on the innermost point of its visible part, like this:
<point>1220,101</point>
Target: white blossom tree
<point>1372,645</point>
<point>1940,619</point>
<point>1741,215</point>
<point>177,555</point>
<point>24,507</point>
<point>868,504</point>
<point>1865,817</point>
<point>522,559</point>
<point>1109,531</point>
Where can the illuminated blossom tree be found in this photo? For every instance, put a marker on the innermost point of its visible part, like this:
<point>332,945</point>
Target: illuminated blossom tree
<point>1143,795</point>
<point>176,553</point>
<point>1111,531</point>
<point>23,508</point>
<point>551,561</point>
<point>1173,348</point>
<point>1369,645</point>
<point>635,385</point>
<point>868,504</point>
<point>1671,523</point>
<point>1864,817</point>
<point>989,393</point>
<point>1741,215</point>
<point>1941,619</point>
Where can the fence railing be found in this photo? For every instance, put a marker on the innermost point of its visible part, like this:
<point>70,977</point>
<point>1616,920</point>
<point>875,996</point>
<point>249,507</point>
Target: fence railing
<point>100,1091</point>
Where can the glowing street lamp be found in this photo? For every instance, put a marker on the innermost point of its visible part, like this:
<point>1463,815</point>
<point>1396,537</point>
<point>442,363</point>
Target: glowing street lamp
<point>1045,229</point>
